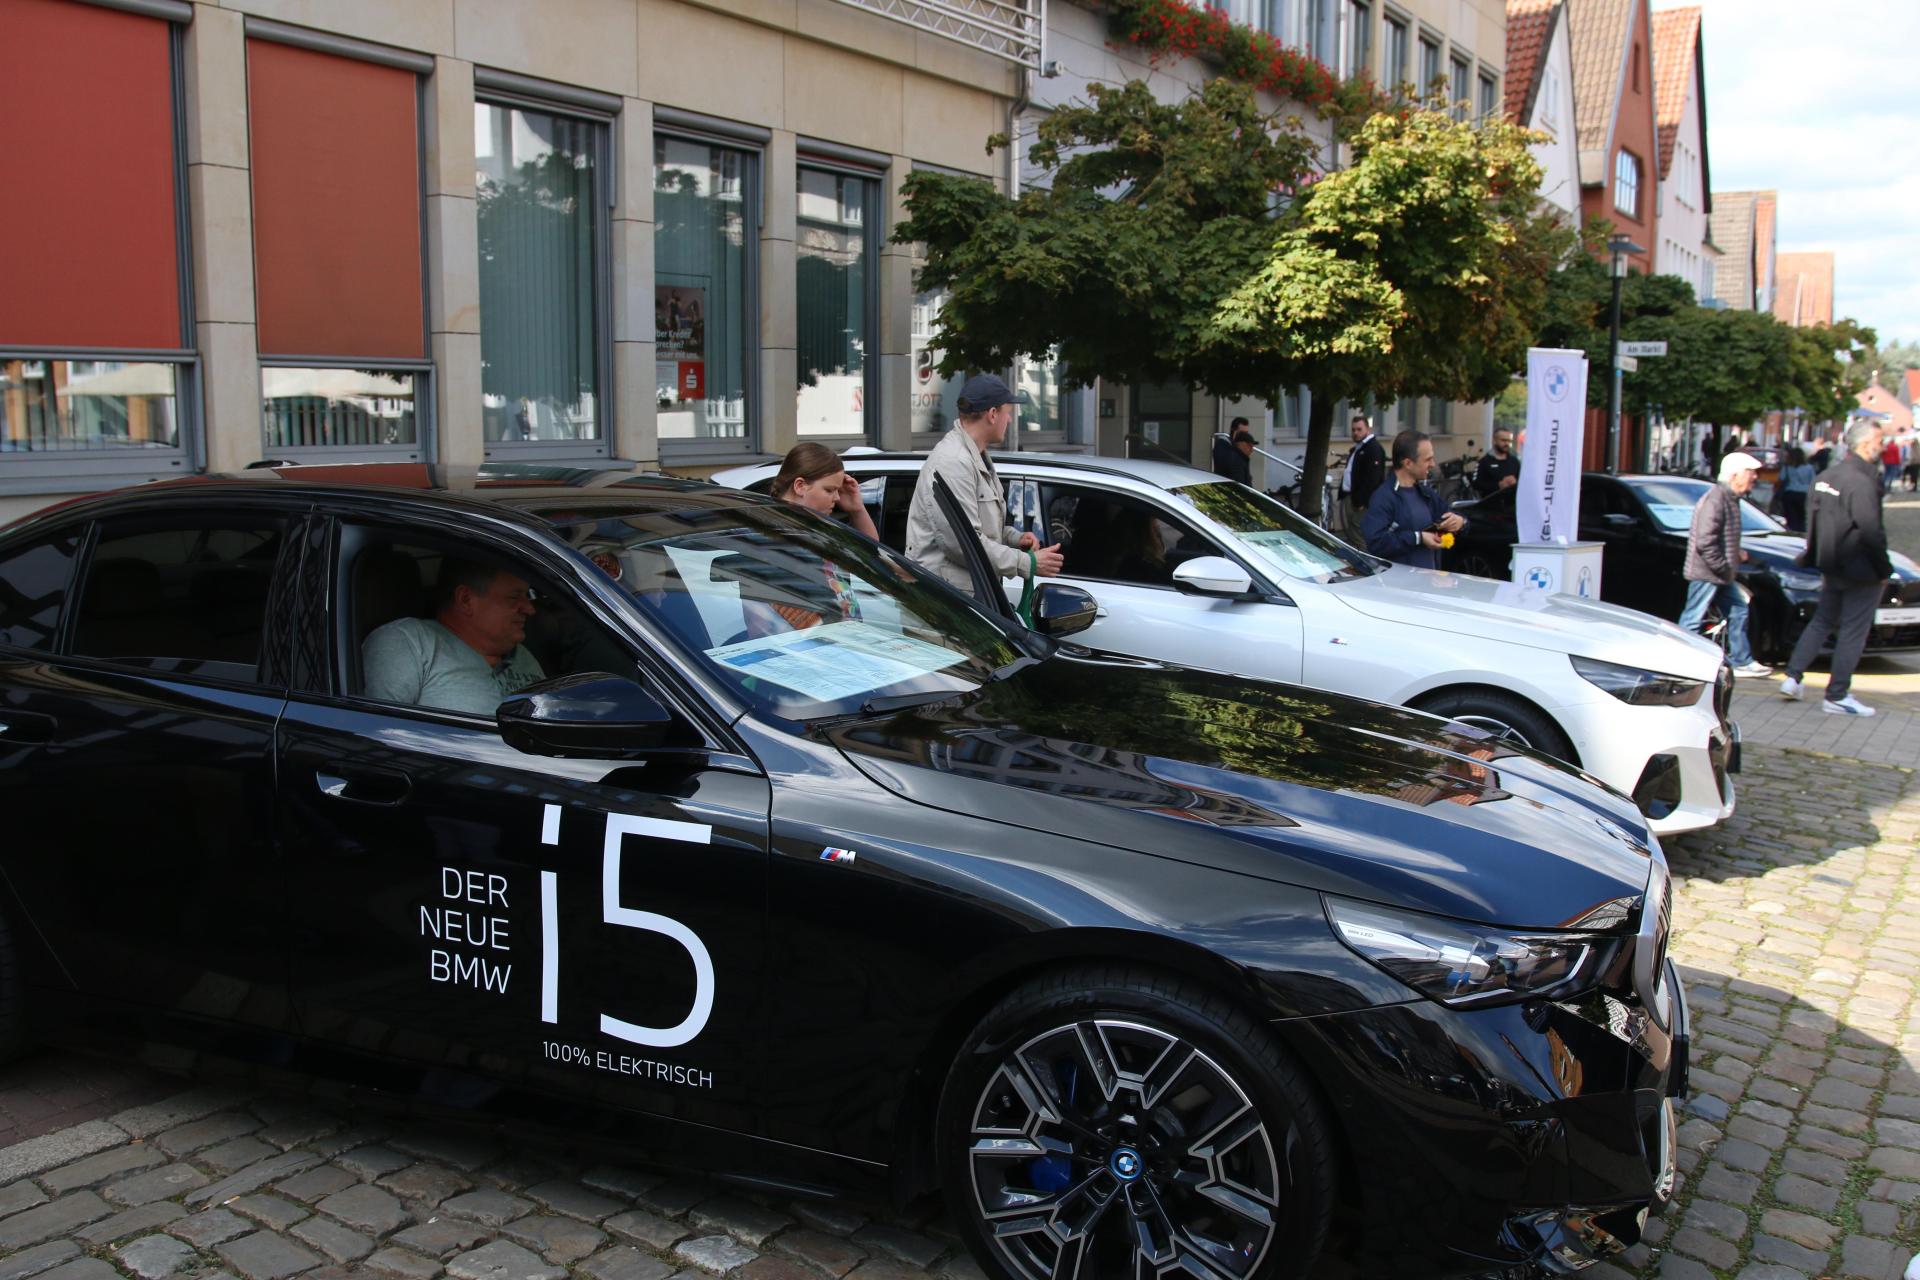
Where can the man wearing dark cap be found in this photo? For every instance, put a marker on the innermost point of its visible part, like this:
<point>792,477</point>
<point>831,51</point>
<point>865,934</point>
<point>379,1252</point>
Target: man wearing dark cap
<point>1233,455</point>
<point>986,407</point>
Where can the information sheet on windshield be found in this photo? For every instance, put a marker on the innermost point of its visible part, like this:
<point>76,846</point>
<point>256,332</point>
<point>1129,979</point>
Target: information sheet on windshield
<point>835,661</point>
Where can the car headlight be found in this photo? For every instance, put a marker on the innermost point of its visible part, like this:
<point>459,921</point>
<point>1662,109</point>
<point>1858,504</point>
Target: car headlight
<point>1641,688</point>
<point>1800,579</point>
<point>1465,965</point>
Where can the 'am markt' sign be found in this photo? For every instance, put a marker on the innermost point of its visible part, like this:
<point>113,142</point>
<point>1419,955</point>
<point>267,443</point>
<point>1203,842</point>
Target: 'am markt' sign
<point>1642,350</point>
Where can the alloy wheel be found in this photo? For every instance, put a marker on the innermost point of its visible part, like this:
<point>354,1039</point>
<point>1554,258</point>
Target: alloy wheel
<point>1105,1148</point>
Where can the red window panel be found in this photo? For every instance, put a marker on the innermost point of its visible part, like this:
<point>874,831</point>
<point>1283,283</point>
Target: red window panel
<point>335,147</point>
<point>87,210</point>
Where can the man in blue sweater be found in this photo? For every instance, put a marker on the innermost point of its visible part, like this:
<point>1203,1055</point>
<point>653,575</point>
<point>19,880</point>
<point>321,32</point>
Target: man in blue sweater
<point>1406,517</point>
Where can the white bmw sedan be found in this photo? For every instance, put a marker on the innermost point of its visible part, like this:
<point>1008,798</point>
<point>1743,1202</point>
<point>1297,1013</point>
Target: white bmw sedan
<point>1189,568</point>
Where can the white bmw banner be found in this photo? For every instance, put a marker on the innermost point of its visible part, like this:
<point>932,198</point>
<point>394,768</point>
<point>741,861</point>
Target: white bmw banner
<point>1547,502</point>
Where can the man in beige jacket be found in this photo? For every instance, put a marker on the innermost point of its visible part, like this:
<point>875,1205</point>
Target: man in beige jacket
<point>986,411</point>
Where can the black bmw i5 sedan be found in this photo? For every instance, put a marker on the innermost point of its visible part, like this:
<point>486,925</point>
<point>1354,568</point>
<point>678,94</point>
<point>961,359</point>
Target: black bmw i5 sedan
<point>668,810</point>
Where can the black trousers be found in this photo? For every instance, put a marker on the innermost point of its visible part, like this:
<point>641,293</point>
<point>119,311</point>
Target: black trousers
<point>1846,611</point>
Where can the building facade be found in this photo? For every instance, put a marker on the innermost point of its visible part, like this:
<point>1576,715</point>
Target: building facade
<point>1804,297</point>
<point>1540,95</point>
<point>1457,47</point>
<point>652,231</point>
<point>1613,99</point>
<point>1686,247</point>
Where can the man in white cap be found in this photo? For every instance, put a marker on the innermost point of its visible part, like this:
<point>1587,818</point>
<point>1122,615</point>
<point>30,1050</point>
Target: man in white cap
<point>1714,556</point>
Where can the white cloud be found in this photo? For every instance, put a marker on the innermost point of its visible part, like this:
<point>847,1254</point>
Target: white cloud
<point>1811,101</point>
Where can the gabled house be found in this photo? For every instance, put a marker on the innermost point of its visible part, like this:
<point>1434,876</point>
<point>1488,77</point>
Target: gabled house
<point>1804,298</point>
<point>1876,399</point>
<point>1685,248</point>
<point>1910,387</point>
<point>1742,226</point>
<point>1540,95</point>
<point>1613,95</point>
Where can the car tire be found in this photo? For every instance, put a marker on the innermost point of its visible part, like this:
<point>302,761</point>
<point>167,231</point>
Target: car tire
<point>1504,715</point>
<point>13,997</point>
<point>1110,1121</point>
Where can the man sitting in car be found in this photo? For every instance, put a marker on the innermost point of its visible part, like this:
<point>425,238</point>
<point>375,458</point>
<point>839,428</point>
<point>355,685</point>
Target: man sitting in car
<point>470,656</point>
<point>1406,519</point>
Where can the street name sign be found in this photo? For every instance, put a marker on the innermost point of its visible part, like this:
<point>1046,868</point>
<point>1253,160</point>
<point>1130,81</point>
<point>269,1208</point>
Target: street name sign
<point>1642,350</point>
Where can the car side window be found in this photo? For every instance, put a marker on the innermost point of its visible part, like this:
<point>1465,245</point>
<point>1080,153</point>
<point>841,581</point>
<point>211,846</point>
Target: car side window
<point>896,500</point>
<point>432,624</point>
<point>34,582</point>
<point>183,595</point>
<point>1116,537</point>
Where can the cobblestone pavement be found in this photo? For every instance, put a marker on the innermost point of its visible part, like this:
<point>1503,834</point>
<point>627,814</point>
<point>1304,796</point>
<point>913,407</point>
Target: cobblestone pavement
<point>1798,929</point>
<point>52,1091</point>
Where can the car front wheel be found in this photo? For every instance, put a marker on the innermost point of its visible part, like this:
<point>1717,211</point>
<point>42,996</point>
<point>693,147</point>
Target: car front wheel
<point>1103,1123</point>
<point>1504,716</point>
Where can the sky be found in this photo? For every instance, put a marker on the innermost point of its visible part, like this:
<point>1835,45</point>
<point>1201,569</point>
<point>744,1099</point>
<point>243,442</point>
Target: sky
<point>1816,101</point>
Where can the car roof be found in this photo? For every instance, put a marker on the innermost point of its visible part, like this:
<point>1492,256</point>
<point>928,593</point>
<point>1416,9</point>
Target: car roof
<point>508,490</point>
<point>1161,475</point>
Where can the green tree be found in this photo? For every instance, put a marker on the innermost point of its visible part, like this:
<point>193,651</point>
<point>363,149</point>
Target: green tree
<point>1186,242</point>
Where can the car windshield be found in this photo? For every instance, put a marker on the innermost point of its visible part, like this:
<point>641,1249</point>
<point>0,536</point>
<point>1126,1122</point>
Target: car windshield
<point>1276,535</point>
<point>1671,502</point>
<point>799,617</point>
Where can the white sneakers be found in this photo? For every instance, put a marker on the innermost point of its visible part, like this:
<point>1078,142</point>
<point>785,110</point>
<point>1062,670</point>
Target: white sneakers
<point>1847,706</point>
<point>1754,670</point>
<point>1790,688</point>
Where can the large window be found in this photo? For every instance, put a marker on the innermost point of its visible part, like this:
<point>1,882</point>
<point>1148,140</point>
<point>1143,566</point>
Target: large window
<point>1051,415</point>
<point>1429,67</point>
<point>1316,36</point>
<point>935,399</point>
<point>1489,96</point>
<point>1459,84</point>
<point>705,247</point>
<point>337,236</point>
<point>96,361</point>
<point>543,250</point>
<point>1626,183</point>
<point>1394,73</point>
<point>1357,54</point>
<point>836,299</point>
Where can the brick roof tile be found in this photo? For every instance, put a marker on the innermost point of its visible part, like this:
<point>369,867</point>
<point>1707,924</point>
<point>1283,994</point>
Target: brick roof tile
<point>1599,31</point>
<point>1529,33</point>
<point>1676,39</point>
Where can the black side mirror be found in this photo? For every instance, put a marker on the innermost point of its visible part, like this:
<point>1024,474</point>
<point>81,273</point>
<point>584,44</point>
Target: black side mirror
<point>1061,610</point>
<point>591,715</point>
<point>1619,520</point>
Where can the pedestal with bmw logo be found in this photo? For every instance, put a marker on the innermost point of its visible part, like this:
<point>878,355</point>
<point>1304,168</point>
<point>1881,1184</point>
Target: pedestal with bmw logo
<point>1547,500</point>
<point>1570,569</point>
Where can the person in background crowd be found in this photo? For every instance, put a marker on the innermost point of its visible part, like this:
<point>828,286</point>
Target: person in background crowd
<point>1847,542</point>
<point>812,476</point>
<point>1912,448</point>
<point>1233,453</point>
<point>986,411</point>
<point>1822,456</point>
<point>1406,518</point>
<point>1366,465</point>
<point>1499,469</point>
<point>1714,556</point>
<point>1891,462</point>
<point>1796,481</point>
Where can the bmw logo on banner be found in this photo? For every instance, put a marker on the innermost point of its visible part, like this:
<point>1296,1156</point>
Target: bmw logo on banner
<point>1547,502</point>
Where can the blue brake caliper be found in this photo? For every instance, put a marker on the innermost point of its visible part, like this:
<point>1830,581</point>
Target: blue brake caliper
<point>1054,1174</point>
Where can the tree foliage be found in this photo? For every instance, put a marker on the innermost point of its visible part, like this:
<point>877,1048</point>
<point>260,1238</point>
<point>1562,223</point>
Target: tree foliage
<point>1187,242</point>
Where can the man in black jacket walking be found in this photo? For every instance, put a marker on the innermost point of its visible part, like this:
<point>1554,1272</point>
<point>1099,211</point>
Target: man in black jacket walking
<point>1847,542</point>
<point>1366,466</point>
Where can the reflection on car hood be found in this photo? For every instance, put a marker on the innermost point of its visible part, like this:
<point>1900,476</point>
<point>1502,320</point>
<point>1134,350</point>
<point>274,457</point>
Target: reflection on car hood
<point>1780,551</point>
<point>1509,613</point>
<point>1268,780</point>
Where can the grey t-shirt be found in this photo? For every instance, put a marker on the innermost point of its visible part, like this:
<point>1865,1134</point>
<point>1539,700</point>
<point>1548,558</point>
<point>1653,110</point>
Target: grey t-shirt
<point>420,663</point>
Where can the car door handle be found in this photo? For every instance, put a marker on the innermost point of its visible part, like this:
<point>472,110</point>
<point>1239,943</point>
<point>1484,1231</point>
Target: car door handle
<point>367,786</point>
<point>27,727</point>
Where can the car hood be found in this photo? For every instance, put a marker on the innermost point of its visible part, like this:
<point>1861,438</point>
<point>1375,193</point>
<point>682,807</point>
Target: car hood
<point>1275,781</point>
<point>1779,551</point>
<point>1509,613</point>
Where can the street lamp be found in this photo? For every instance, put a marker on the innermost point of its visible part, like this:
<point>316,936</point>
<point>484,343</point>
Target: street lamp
<point>1620,246</point>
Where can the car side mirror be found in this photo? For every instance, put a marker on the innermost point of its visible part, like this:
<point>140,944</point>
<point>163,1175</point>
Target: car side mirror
<point>590,715</point>
<point>1213,576</point>
<point>1060,610</point>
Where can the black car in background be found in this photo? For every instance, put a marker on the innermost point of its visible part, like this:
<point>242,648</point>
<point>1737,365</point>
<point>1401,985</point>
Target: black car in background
<point>1642,523</point>
<point>798,866</point>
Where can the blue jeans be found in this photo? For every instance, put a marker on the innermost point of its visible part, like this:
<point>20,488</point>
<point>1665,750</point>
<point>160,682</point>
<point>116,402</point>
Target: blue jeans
<point>1733,606</point>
